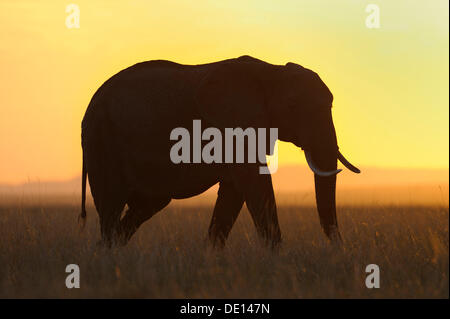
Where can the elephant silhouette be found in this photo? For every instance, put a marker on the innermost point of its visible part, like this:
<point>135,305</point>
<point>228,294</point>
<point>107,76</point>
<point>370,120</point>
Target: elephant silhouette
<point>126,144</point>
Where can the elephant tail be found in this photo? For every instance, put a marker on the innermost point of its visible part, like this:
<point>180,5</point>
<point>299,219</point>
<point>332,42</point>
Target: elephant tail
<point>82,216</point>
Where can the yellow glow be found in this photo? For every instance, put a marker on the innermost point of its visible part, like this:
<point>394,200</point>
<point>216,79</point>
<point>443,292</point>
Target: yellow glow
<point>390,84</point>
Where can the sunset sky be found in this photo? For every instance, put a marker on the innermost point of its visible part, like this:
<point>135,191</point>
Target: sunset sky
<point>390,84</point>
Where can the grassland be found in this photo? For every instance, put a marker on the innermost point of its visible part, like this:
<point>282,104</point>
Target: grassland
<point>169,257</point>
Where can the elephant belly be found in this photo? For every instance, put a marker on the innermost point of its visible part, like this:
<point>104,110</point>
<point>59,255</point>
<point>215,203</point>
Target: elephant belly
<point>191,180</point>
<point>176,181</point>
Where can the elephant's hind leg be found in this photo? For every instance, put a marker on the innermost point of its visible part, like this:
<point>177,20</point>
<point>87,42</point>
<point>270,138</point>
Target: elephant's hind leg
<point>110,222</point>
<point>141,208</point>
<point>109,206</point>
<point>228,205</point>
<point>109,198</point>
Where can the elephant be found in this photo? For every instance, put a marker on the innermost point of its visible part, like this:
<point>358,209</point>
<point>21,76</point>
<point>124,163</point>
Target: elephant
<point>126,145</point>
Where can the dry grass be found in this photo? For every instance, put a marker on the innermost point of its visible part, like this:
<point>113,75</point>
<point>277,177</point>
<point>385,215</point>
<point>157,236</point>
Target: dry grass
<point>169,258</point>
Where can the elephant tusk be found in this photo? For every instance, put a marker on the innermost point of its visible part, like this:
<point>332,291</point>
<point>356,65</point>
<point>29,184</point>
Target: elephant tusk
<point>347,164</point>
<point>316,170</point>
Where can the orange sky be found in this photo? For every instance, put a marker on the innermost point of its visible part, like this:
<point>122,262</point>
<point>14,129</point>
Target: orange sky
<point>390,84</point>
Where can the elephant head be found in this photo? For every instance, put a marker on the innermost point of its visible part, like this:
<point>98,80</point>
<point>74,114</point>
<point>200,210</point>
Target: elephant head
<point>303,113</point>
<point>253,93</point>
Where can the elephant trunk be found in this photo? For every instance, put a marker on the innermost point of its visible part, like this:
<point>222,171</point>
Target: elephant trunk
<point>322,157</point>
<point>326,205</point>
<point>324,167</point>
<point>325,183</point>
<point>322,154</point>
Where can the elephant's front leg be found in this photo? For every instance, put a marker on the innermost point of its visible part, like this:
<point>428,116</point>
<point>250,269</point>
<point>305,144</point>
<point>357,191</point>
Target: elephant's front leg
<point>228,205</point>
<point>260,199</point>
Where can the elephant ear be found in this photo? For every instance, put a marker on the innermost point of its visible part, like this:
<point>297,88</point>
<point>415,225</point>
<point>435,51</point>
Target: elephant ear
<point>231,96</point>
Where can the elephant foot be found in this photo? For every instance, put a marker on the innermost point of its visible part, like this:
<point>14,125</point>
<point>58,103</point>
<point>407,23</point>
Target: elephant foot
<point>125,235</point>
<point>116,238</point>
<point>216,242</point>
<point>104,243</point>
<point>273,244</point>
<point>271,239</point>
